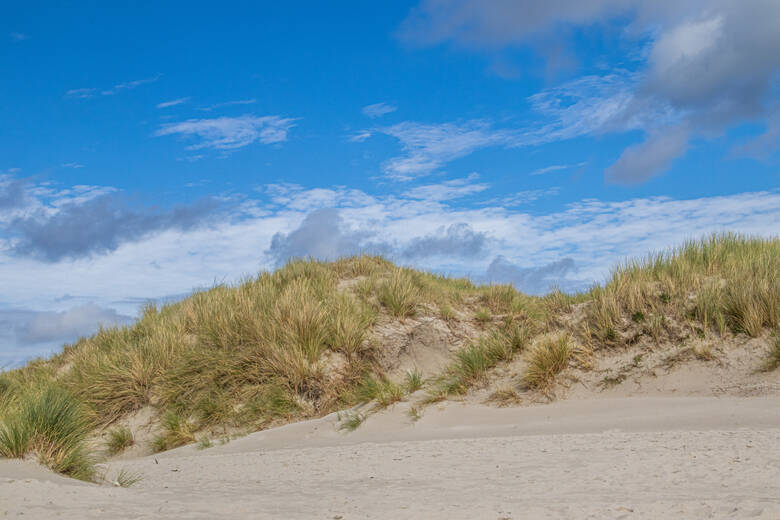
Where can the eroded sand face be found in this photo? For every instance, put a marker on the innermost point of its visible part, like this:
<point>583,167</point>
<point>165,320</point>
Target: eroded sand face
<point>684,457</point>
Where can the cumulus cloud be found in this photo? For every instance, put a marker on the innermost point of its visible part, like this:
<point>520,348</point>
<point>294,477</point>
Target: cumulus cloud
<point>534,280</point>
<point>378,110</point>
<point>67,325</point>
<point>640,162</point>
<point>230,133</point>
<point>322,235</point>
<point>98,225</point>
<point>708,65</point>
<point>454,241</point>
<point>12,192</point>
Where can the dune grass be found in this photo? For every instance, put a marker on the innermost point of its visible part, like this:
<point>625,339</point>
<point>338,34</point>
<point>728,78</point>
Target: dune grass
<point>300,342</point>
<point>722,282</point>
<point>119,439</point>
<point>548,356</point>
<point>53,426</point>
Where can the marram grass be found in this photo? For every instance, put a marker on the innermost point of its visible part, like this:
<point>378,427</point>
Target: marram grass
<point>299,342</point>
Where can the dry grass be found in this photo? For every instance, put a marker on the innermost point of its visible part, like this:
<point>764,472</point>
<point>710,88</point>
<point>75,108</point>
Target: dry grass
<point>399,294</point>
<point>547,357</point>
<point>724,282</point>
<point>289,345</point>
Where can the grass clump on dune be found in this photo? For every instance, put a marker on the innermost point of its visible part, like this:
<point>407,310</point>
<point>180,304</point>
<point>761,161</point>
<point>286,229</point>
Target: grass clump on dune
<point>52,425</point>
<point>399,294</point>
<point>119,439</point>
<point>724,281</point>
<point>546,358</point>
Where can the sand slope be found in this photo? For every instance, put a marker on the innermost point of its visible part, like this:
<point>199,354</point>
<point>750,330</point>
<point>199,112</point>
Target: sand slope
<point>682,457</point>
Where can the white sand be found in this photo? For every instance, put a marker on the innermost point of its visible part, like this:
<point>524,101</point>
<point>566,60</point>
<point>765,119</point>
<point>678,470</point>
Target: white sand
<point>655,458</point>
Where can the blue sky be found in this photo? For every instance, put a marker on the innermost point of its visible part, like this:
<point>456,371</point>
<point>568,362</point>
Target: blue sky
<point>157,147</point>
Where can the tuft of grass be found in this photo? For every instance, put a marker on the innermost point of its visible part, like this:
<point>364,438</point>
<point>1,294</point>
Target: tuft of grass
<point>119,439</point>
<point>413,381</point>
<point>399,294</point>
<point>127,478</point>
<point>773,355</point>
<point>352,421</point>
<point>52,425</point>
<point>380,389</point>
<point>205,443</point>
<point>483,316</point>
<point>414,413</point>
<point>546,358</point>
<point>177,431</point>
<point>446,312</point>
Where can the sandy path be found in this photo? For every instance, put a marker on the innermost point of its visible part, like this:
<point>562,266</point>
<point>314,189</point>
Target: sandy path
<point>673,457</point>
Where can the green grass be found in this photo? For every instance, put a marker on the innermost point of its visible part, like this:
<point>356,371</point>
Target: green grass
<point>380,389</point>
<point>52,425</point>
<point>127,478</point>
<point>413,381</point>
<point>352,421</point>
<point>772,361</point>
<point>119,439</point>
<point>177,431</point>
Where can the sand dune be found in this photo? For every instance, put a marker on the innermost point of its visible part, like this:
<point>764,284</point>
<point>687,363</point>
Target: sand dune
<point>663,457</point>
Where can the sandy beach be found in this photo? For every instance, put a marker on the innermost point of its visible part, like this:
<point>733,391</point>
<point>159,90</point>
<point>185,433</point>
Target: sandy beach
<point>681,457</point>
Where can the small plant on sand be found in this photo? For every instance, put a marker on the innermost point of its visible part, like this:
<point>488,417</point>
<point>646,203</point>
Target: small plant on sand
<point>380,389</point>
<point>352,421</point>
<point>119,439</point>
<point>773,355</point>
<point>546,358</point>
<point>127,478</point>
<point>446,312</point>
<point>205,443</point>
<point>414,413</point>
<point>413,381</point>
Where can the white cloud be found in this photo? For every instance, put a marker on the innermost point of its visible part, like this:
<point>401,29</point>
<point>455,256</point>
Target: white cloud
<point>428,147</point>
<point>378,110</point>
<point>592,234</point>
<point>81,93</point>
<point>707,65</point>
<point>230,133</point>
<point>173,102</point>
<point>447,190</point>
<point>73,165</point>
<point>17,36</point>
<point>555,168</point>
<point>129,85</point>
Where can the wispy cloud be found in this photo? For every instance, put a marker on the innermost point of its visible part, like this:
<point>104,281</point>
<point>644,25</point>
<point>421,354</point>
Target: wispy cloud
<point>129,85</point>
<point>73,165</point>
<point>231,133</point>
<point>555,168</point>
<point>88,92</point>
<point>448,190</point>
<point>238,102</point>
<point>17,36</point>
<point>378,110</point>
<point>81,93</point>
<point>173,102</point>
<point>428,147</point>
